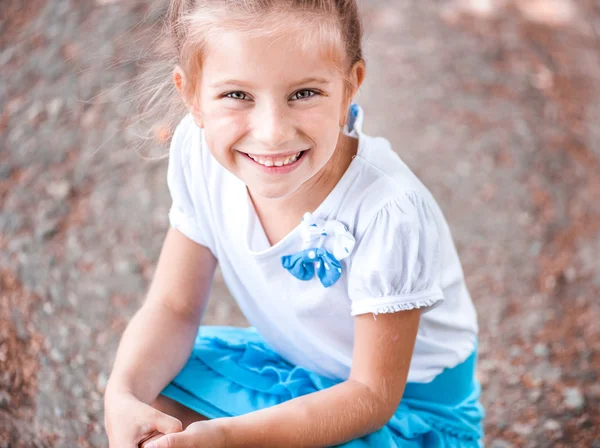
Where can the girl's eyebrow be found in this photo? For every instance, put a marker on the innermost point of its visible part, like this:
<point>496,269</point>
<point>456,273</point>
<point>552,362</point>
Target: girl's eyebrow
<point>235,82</point>
<point>229,82</point>
<point>313,80</point>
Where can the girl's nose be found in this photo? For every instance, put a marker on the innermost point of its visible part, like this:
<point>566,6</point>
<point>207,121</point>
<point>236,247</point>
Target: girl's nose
<point>272,126</point>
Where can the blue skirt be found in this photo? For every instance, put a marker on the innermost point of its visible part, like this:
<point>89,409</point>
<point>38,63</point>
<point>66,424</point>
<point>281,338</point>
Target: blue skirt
<point>232,371</point>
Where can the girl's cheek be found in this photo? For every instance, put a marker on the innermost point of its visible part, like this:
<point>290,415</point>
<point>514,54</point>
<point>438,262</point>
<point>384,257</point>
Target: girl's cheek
<point>220,119</point>
<point>224,116</point>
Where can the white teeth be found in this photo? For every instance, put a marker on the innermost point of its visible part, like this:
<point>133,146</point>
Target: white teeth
<point>275,162</point>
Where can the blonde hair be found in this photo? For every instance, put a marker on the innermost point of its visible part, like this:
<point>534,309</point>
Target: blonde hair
<point>189,25</point>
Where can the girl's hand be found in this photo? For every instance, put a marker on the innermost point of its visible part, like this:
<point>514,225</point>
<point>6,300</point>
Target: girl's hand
<point>206,433</point>
<point>129,421</point>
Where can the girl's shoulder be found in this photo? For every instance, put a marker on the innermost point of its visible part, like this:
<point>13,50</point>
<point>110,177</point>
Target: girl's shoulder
<point>185,134</point>
<point>383,176</point>
<point>188,149</point>
<point>386,186</point>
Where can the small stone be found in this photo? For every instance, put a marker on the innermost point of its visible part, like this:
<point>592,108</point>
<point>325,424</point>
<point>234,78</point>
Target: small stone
<point>551,425</point>
<point>48,308</point>
<point>102,382</point>
<point>5,399</point>
<point>59,190</point>
<point>573,399</point>
<point>483,9</point>
<point>56,293</point>
<point>72,299</point>
<point>541,350</point>
<point>54,107</point>
<point>487,365</point>
<point>535,395</point>
<point>7,55</point>
<point>78,361</point>
<point>570,274</point>
<point>102,292</point>
<point>97,405</point>
<point>34,110</point>
<point>77,391</point>
<point>543,79</point>
<point>548,12</point>
<point>515,351</point>
<point>535,248</point>
<point>544,371</point>
<point>522,429</point>
<point>500,443</point>
<point>46,230</point>
<point>89,118</point>
<point>513,380</point>
<point>126,267</point>
<point>56,355</point>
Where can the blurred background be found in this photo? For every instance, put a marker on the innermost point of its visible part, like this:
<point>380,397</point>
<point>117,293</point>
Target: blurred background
<point>495,104</point>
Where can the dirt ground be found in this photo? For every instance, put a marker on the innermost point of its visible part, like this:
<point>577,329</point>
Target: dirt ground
<point>495,104</point>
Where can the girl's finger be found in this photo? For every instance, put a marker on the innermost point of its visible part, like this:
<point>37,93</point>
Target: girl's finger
<point>166,424</point>
<point>168,441</point>
<point>154,436</point>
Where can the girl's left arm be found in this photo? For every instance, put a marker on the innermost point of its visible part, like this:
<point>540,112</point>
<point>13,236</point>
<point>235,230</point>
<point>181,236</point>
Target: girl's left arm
<point>383,348</point>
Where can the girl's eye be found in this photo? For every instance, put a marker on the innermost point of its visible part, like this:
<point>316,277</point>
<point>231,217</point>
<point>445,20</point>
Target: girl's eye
<point>303,94</point>
<point>237,95</point>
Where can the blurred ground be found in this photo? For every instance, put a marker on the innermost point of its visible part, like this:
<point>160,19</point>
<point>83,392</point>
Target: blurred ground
<point>494,103</point>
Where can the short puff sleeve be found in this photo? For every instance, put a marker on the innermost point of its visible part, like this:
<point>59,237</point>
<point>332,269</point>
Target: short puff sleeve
<point>397,262</point>
<point>186,192</point>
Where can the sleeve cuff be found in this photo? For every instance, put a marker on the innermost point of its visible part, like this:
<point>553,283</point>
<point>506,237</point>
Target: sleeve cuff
<point>429,299</point>
<point>188,227</point>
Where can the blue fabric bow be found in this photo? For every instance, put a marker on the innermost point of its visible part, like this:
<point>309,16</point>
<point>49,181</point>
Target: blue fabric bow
<point>302,265</point>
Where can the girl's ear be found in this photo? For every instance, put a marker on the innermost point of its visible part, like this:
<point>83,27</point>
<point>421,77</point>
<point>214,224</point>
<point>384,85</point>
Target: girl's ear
<point>355,80</point>
<point>357,76</point>
<point>179,80</point>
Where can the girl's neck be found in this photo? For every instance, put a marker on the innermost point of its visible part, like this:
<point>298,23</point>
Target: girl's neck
<point>280,216</point>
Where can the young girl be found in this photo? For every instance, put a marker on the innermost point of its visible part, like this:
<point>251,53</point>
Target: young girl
<point>363,332</point>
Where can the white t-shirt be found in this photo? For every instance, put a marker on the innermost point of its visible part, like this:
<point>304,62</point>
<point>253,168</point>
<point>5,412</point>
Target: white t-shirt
<point>403,257</point>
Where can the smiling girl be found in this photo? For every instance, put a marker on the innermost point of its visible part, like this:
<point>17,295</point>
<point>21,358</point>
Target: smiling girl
<point>363,331</point>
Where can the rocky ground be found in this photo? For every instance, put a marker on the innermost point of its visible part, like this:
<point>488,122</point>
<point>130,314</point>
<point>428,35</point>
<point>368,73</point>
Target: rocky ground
<point>494,103</point>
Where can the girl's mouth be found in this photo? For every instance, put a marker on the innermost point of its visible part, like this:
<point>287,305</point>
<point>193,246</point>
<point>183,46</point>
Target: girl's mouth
<point>277,165</point>
<point>276,161</point>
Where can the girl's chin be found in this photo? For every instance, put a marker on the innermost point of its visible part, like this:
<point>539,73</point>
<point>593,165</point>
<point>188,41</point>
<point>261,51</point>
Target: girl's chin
<point>271,192</point>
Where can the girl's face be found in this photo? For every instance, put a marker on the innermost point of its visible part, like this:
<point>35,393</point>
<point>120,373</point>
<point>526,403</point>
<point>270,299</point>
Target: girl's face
<point>271,111</point>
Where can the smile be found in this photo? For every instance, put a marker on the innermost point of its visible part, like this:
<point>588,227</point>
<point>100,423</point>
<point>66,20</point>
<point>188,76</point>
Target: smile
<point>276,161</point>
<point>279,164</point>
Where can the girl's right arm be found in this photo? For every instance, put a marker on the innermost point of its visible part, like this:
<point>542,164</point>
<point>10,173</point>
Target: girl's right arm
<point>159,339</point>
